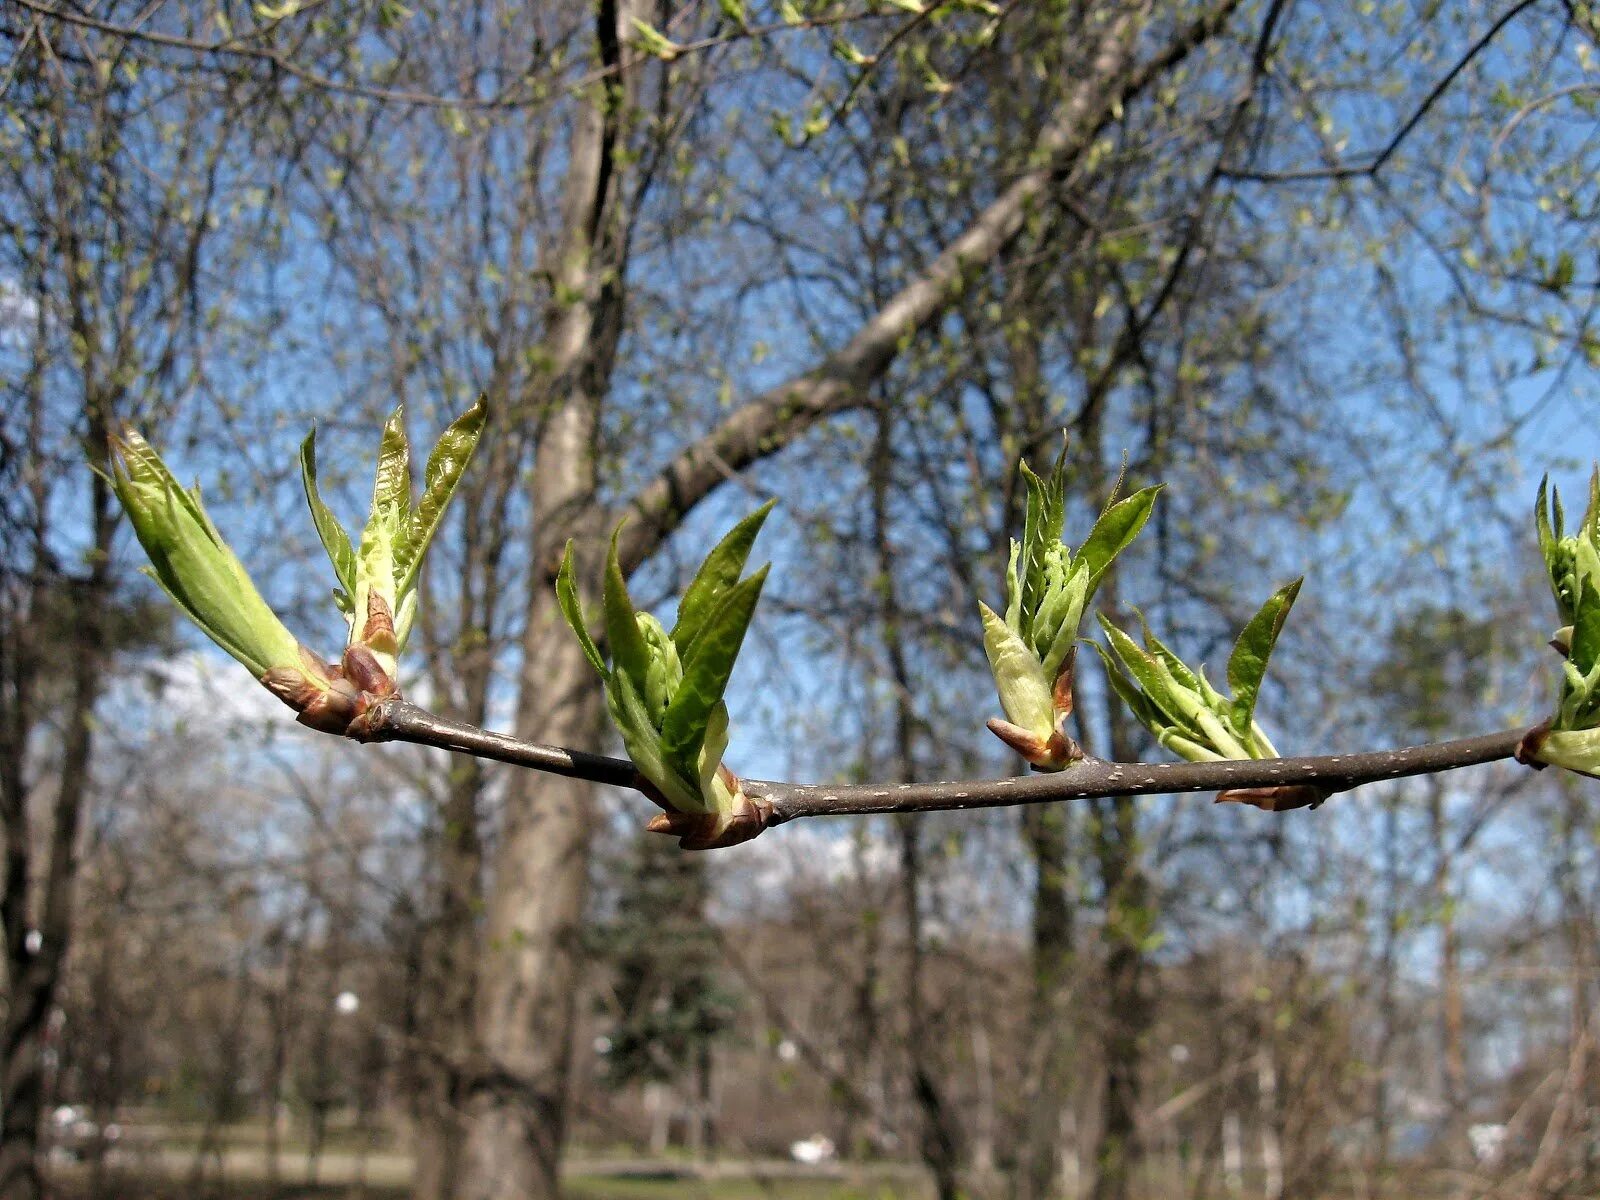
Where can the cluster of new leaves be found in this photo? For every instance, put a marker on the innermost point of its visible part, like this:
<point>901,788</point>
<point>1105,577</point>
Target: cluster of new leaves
<point>1571,738</point>
<point>664,690</point>
<point>377,590</point>
<point>1187,715</point>
<point>1032,649</point>
<point>378,581</point>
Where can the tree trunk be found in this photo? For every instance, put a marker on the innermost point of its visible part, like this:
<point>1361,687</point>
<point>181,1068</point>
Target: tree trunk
<point>529,971</point>
<point>34,964</point>
<point>1452,1019</point>
<point>529,966</point>
<point>939,1144</point>
<point>1129,918</point>
<point>1387,1001</point>
<point>1049,1079</point>
<point>450,974</point>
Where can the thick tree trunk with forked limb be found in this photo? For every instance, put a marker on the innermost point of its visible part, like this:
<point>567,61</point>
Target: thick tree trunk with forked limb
<point>529,962</point>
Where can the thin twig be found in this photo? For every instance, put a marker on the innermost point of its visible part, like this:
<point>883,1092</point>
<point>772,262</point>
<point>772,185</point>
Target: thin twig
<point>524,95</point>
<point>400,721</point>
<point>1374,162</point>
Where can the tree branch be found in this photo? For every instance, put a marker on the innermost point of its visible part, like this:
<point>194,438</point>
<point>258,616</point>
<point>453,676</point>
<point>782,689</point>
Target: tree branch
<point>526,94</point>
<point>397,720</point>
<point>774,419</point>
<point>1374,161</point>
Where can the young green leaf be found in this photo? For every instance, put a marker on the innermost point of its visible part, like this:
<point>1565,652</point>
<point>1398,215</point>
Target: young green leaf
<point>446,465</point>
<point>716,745</point>
<point>334,538</point>
<point>572,608</point>
<point>1153,675</point>
<point>1041,528</point>
<point>1584,652</point>
<point>1114,531</point>
<point>665,673</point>
<point>1541,522</point>
<point>1147,714</point>
<point>1247,665</point>
<point>628,650</point>
<point>391,485</point>
<point>1018,677</point>
<point>643,745</point>
<point>706,671</point>
<point>653,42</point>
<point>719,573</point>
<point>193,563</point>
<point>1075,594</point>
<point>1014,587</point>
<point>1180,669</point>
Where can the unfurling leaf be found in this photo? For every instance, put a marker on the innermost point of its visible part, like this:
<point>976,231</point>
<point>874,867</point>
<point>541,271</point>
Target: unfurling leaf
<point>1247,665</point>
<point>653,42</point>
<point>446,465</point>
<point>197,569</point>
<point>1115,530</point>
<point>1018,676</point>
<point>628,650</point>
<point>706,673</point>
<point>572,608</point>
<point>391,483</point>
<point>1184,712</point>
<point>1048,588</point>
<point>332,534</point>
<point>718,573</point>
<point>1571,737</point>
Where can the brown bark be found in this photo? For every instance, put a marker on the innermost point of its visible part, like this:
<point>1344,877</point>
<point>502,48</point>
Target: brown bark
<point>1127,1006</point>
<point>33,974</point>
<point>528,967</point>
<point>1049,1081</point>
<point>938,1140</point>
<point>1452,1019</point>
<point>450,973</point>
<point>1130,915</point>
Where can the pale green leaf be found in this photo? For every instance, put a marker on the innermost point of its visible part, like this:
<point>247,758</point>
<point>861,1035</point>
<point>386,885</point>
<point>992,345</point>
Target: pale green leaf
<point>706,671</point>
<point>334,538</point>
<point>572,608</point>
<point>1247,665</point>
<point>446,465</point>
<point>1019,678</point>
<point>391,485</point>
<point>1114,531</point>
<point>628,651</point>
<point>717,574</point>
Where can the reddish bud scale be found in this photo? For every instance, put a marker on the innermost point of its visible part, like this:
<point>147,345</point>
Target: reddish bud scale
<point>1528,748</point>
<point>336,699</point>
<point>714,831</point>
<point>1056,752</point>
<point>378,632</point>
<point>1283,798</point>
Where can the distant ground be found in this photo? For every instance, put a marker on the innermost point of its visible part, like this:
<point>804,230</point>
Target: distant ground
<point>75,1185</point>
<point>240,1172</point>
